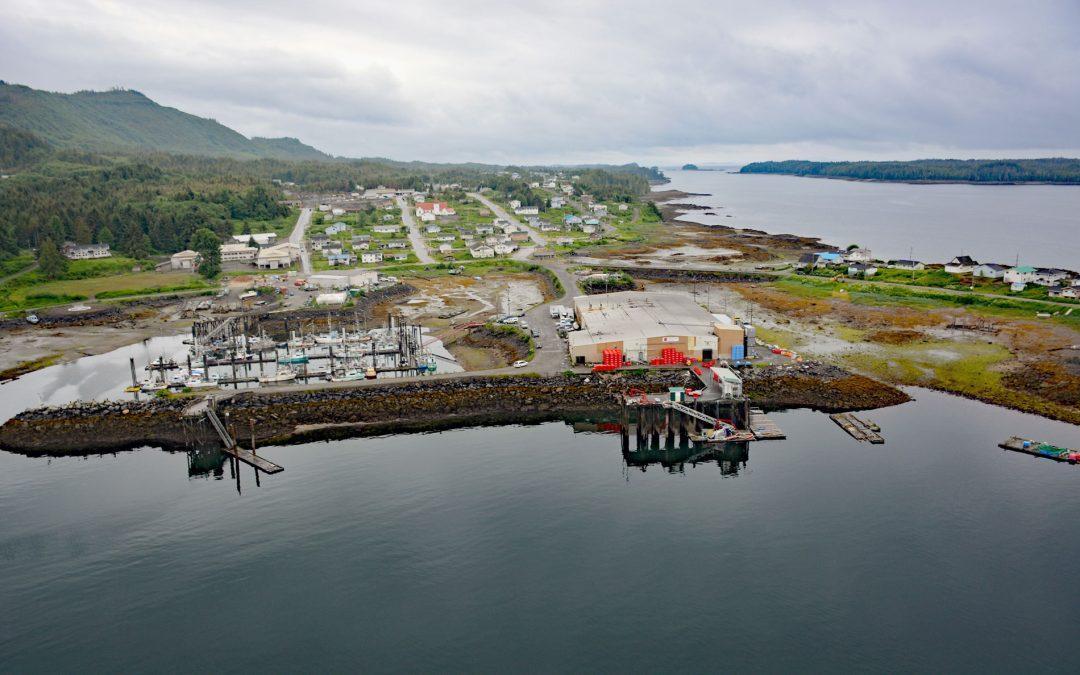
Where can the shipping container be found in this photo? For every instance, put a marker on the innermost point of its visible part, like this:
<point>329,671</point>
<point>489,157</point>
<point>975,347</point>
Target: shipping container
<point>738,352</point>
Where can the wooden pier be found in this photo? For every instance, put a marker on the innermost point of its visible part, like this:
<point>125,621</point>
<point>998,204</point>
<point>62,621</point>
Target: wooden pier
<point>763,428</point>
<point>856,428</point>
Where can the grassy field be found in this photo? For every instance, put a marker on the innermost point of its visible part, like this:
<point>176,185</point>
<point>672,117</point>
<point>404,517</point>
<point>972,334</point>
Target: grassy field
<point>885,295</point>
<point>283,226</point>
<point>124,285</point>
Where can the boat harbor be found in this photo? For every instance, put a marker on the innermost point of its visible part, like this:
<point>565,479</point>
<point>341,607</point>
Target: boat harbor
<point>239,352</point>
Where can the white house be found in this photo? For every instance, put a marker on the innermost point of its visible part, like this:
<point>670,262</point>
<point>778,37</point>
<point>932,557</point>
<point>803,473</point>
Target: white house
<point>384,228</point>
<point>482,251</point>
<point>1072,292</point>
<point>445,248</point>
<point>238,253</point>
<point>184,260</point>
<point>599,209</point>
<point>527,210</point>
<point>434,209</point>
<point>1022,274</point>
<point>990,271</point>
<point>515,204</point>
<point>336,228</point>
<point>906,265</point>
<point>961,264</point>
<point>861,255</point>
<point>557,202</point>
<point>859,269</point>
<point>337,211</point>
<point>504,249</point>
<point>433,229</point>
<point>371,257</point>
<point>1050,277</point>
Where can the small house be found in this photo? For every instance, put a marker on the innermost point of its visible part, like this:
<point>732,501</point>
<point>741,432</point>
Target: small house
<point>482,251</point>
<point>989,271</point>
<point>859,269</point>
<point>906,265</point>
<point>961,264</point>
<point>858,255</point>
<point>1022,274</point>
<point>371,257</point>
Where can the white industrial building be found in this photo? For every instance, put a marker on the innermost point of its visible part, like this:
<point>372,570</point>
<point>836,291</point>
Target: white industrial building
<point>643,324</point>
<point>343,280</point>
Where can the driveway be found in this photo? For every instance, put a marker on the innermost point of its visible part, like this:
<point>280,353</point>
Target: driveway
<point>418,243</point>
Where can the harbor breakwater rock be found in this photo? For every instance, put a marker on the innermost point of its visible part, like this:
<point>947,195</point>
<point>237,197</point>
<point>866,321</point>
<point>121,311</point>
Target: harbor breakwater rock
<point>415,405</point>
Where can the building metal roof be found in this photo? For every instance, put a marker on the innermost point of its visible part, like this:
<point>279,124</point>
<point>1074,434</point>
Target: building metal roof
<point>611,317</point>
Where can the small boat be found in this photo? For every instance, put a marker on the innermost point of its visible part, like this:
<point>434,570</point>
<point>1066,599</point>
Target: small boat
<point>200,382</point>
<point>293,358</point>
<point>723,434</point>
<point>152,385</point>
<point>370,373</point>
<point>282,375</point>
<point>349,375</point>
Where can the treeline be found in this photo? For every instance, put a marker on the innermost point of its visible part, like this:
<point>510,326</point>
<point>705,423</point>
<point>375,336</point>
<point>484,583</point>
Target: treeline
<point>19,148</point>
<point>136,208</point>
<point>612,186</point>
<point>1050,170</point>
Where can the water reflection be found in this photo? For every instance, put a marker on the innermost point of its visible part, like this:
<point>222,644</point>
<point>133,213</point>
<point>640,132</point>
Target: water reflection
<point>674,452</point>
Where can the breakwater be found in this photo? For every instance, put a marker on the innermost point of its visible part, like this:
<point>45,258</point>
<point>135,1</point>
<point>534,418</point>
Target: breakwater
<point>386,407</point>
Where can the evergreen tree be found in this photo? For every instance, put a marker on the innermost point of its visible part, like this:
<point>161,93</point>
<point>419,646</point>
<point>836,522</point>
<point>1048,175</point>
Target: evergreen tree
<point>105,236</point>
<point>206,244</point>
<point>52,263</point>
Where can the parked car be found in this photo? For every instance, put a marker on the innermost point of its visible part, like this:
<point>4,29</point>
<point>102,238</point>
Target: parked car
<point>32,318</point>
<point>520,364</point>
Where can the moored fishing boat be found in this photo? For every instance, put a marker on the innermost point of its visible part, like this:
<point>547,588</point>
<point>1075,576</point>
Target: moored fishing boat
<point>1041,449</point>
<point>282,375</point>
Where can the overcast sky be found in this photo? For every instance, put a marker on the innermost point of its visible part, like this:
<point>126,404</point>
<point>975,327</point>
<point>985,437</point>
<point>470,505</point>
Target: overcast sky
<point>656,82</point>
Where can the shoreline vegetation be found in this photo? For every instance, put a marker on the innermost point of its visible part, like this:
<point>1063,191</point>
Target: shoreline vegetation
<point>1046,171</point>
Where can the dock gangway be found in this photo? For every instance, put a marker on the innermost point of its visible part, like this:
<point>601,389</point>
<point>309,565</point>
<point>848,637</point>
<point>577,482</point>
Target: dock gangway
<point>231,448</point>
<point>687,410</point>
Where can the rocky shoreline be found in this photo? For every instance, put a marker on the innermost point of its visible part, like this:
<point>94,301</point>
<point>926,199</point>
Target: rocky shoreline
<point>391,407</point>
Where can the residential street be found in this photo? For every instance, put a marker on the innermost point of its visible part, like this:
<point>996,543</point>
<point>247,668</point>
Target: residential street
<point>297,238</point>
<point>415,237</point>
<point>500,212</point>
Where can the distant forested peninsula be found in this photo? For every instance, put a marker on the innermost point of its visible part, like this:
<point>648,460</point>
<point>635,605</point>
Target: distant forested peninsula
<point>1050,170</point>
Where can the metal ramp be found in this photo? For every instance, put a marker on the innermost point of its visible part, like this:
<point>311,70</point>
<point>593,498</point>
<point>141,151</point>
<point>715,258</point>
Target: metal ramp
<point>687,410</point>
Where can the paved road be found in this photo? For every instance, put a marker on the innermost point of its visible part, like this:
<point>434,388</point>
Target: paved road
<point>500,212</point>
<point>297,238</point>
<point>418,243</point>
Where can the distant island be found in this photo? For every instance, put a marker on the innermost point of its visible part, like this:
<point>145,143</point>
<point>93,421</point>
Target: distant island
<point>1050,170</point>
<point>690,167</point>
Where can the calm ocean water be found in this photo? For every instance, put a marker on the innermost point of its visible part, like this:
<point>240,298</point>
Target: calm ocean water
<point>537,548</point>
<point>1039,224</point>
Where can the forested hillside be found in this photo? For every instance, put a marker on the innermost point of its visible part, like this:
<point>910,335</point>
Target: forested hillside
<point>126,120</point>
<point>1051,170</point>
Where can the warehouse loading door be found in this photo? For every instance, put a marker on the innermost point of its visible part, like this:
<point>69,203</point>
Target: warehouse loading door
<point>706,355</point>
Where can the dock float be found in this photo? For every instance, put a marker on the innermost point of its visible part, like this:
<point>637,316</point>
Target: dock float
<point>856,428</point>
<point>1041,449</point>
<point>251,459</point>
<point>763,428</point>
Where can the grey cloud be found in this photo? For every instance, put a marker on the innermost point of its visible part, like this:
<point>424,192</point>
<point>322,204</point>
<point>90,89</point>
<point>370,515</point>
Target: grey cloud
<point>544,80</point>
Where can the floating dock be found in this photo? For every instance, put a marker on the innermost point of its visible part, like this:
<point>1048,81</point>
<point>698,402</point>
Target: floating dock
<point>763,428</point>
<point>1041,449</point>
<point>251,459</point>
<point>856,428</point>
